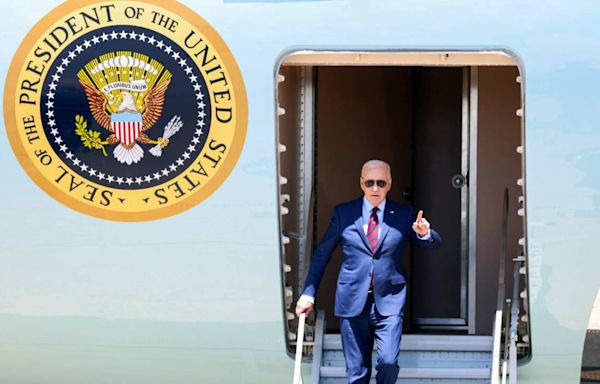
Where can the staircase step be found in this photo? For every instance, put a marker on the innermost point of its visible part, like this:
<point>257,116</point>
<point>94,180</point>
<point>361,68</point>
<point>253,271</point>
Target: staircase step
<point>423,359</point>
<point>339,380</point>
<point>427,343</point>
<point>440,359</point>
<point>419,373</point>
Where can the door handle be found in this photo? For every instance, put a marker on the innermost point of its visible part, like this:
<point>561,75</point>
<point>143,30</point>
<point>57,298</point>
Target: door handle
<point>459,181</point>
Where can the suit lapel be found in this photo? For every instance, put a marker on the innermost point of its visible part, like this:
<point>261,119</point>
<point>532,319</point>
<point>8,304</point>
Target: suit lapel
<point>358,223</point>
<point>361,231</point>
<point>388,217</point>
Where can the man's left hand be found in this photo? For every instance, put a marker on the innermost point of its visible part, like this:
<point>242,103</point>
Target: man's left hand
<point>421,225</point>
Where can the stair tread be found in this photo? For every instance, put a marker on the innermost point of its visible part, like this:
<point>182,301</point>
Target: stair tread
<point>427,343</point>
<point>413,359</point>
<point>419,373</point>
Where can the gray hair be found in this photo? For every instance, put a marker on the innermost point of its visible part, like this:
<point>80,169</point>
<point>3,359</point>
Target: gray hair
<point>376,164</point>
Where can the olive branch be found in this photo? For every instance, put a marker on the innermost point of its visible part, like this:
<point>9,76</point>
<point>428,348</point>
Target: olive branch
<point>90,139</point>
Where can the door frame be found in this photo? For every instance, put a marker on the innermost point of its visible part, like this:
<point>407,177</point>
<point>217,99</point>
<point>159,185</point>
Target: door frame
<point>473,89</point>
<point>469,60</point>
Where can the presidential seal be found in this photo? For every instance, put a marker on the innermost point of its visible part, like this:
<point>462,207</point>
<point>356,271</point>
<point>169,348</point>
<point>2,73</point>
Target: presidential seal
<point>128,110</point>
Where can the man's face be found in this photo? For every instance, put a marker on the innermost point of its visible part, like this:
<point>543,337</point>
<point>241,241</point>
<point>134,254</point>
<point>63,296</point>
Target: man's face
<point>375,194</point>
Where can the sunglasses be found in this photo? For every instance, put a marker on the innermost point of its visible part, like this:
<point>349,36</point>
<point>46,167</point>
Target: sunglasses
<point>371,183</point>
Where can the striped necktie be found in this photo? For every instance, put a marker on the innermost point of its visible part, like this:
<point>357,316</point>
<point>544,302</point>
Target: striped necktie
<point>373,230</point>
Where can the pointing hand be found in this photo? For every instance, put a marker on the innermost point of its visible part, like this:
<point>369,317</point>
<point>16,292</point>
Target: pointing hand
<point>421,225</point>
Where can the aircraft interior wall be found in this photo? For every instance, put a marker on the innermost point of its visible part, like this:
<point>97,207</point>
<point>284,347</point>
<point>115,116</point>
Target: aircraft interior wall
<point>499,166</point>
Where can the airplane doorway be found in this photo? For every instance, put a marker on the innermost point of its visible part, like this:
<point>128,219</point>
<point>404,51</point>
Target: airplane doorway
<point>411,118</point>
<point>453,135</point>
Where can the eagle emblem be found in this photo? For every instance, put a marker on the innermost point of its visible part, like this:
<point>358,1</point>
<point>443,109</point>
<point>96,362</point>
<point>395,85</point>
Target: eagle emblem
<point>126,95</point>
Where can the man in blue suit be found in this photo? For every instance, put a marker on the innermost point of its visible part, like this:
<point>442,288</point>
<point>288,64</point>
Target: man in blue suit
<point>371,288</point>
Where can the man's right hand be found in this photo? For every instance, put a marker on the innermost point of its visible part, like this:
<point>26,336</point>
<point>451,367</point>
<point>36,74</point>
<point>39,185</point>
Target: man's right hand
<point>303,306</point>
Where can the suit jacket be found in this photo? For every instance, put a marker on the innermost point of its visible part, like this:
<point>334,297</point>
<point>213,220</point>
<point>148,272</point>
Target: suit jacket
<point>359,263</point>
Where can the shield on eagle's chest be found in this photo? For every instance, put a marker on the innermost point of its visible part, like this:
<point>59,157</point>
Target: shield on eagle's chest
<point>126,126</point>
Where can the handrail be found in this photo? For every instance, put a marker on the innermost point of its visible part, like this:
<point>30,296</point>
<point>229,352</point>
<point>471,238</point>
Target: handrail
<point>514,320</point>
<point>506,345</point>
<point>495,373</point>
<point>299,342</point>
<point>318,347</point>
<point>305,244</point>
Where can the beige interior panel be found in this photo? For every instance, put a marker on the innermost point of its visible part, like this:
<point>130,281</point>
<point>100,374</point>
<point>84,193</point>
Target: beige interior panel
<point>441,58</point>
<point>499,166</point>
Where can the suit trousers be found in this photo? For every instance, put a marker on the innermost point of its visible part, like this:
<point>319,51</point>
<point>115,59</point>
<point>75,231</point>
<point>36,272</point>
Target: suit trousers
<point>358,336</point>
